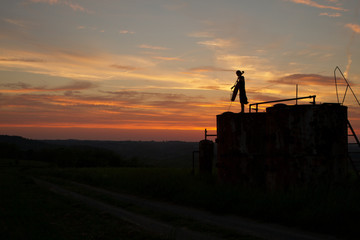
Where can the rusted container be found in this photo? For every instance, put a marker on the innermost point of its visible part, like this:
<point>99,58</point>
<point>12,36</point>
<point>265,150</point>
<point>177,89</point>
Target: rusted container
<point>206,156</point>
<point>307,144</point>
<point>284,147</point>
<point>241,148</point>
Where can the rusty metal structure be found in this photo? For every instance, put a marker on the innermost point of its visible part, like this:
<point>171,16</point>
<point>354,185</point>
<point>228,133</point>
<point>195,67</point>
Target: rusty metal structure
<point>282,100</point>
<point>286,146</point>
<point>353,147</point>
<point>206,156</point>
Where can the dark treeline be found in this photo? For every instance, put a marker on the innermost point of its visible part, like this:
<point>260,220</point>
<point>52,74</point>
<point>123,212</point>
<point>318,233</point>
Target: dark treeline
<point>18,148</point>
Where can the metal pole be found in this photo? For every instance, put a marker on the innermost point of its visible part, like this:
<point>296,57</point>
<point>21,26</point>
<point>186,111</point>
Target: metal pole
<point>282,100</point>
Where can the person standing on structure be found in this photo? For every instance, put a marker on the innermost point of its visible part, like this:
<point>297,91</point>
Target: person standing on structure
<point>239,86</point>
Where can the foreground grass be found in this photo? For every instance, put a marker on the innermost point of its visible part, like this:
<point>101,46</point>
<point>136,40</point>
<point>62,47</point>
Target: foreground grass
<point>168,217</point>
<point>331,209</point>
<point>28,211</point>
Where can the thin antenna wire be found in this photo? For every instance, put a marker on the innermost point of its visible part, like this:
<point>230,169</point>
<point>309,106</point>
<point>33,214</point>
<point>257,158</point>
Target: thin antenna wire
<point>347,87</point>
<point>337,94</point>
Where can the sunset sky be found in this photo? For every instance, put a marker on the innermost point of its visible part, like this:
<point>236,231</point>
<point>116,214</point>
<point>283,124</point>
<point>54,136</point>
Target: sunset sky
<point>162,69</point>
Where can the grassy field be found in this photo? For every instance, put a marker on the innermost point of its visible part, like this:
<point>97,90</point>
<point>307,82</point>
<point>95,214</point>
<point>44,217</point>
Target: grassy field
<point>326,209</point>
<point>28,211</point>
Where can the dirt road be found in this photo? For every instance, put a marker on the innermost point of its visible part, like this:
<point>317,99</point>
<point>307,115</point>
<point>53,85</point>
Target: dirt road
<point>237,224</point>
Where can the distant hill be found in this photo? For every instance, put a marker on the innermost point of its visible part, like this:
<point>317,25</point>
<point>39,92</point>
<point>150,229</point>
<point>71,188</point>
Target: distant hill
<point>143,153</point>
<point>150,153</point>
<point>23,143</point>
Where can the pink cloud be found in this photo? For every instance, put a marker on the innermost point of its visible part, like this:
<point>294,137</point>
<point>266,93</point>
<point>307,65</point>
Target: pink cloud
<point>146,46</point>
<point>331,14</point>
<point>312,3</point>
<point>18,23</point>
<point>51,2</point>
<point>73,6</point>
<point>306,79</point>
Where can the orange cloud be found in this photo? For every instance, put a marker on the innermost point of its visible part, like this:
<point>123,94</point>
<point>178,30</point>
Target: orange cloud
<point>21,60</point>
<point>168,58</point>
<point>123,67</point>
<point>74,65</point>
<point>135,125</point>
<point>123,110</point>
<point>211,87</point>
<point>24,88</point>
<point>201,35</point>
<point>126,32</point>
<point>210,69</point>
<point>354,27</point>
<point>117,134</point>
<point>218,42</point>
<point>94,66</point>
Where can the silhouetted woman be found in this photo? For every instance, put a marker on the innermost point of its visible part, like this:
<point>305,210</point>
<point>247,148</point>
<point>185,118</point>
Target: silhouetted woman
<point>240,86</point>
